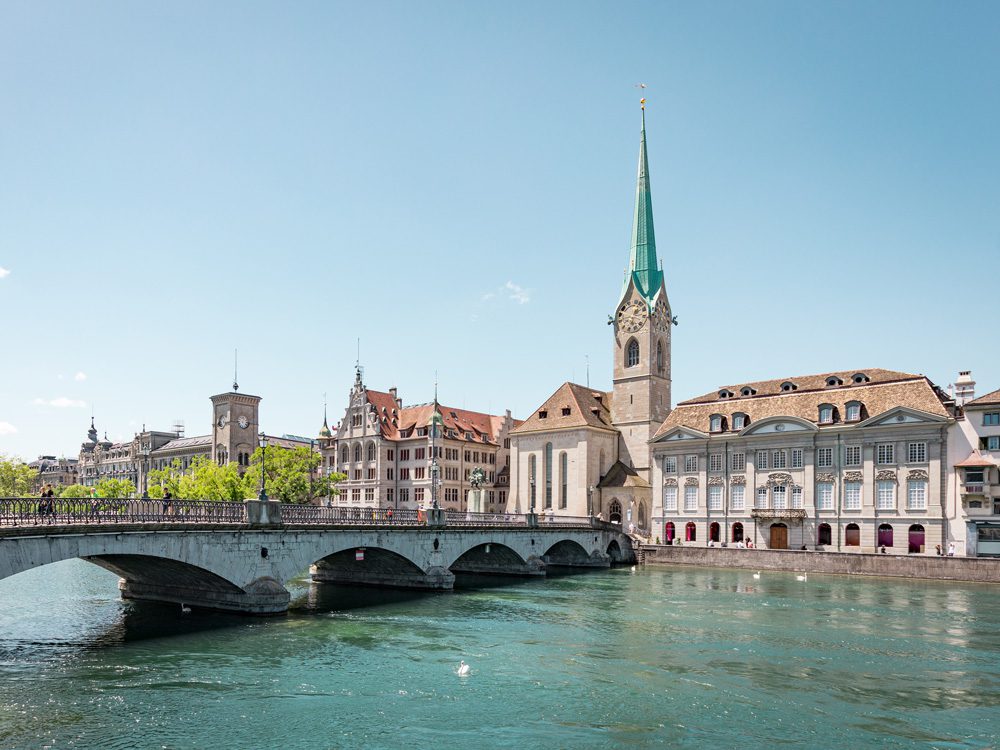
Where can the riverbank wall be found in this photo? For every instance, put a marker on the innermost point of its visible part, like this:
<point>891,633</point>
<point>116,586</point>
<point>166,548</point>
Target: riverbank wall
<point>973,569</point>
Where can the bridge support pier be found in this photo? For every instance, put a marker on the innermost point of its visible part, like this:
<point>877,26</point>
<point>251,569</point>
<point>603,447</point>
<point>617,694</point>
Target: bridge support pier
<point>265,596</point>
<point>534,567</point>
<point>596,560</point>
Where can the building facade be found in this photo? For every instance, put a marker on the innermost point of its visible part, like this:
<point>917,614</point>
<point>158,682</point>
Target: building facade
<point>586,451</point>
<point>973,507</point>
<point>397,456</point>
<point>58,472</point>
<point>845,461</point>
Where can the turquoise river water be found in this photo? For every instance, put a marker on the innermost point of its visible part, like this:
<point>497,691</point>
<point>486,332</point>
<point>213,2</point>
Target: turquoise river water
<point>656,657</point>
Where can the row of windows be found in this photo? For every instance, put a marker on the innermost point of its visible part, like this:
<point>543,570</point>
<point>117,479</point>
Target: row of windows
<point>563,475</point>
<point>781,497</point>
<point>824,534</point>
<point>784,459</point>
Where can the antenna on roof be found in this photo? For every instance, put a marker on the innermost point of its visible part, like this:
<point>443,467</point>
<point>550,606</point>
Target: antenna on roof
<point>236,368</point>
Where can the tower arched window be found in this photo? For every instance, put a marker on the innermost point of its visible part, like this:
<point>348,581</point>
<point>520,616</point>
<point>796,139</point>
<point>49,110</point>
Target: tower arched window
<point>659,357</point>
<point>632,353</point>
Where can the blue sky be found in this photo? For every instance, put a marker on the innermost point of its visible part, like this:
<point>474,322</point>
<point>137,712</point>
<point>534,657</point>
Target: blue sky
<point>453,184</point>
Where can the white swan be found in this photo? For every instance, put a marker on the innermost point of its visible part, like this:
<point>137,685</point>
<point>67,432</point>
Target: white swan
<point>463,669</point>
<point>757,575</point>
<point>185,609</point>
<point>803,577</point>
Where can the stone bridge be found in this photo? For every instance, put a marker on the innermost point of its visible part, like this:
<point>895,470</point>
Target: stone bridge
<point>213,559</point>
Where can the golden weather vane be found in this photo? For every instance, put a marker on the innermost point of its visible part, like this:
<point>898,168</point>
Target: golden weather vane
<point>641,86</point>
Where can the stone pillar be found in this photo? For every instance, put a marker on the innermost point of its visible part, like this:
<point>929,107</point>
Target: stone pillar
<point>263,513</point>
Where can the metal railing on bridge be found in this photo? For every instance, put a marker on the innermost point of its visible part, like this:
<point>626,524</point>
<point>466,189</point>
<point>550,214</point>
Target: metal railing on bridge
<point>35,512</point>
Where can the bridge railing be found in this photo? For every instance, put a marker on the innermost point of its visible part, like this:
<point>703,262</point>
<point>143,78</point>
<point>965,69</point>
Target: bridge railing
<point>352,516</point>
<point>78,511</point>
<point>462,518</point>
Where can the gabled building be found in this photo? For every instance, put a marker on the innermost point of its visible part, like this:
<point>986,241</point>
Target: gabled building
<point>397,456</point>
<point>586,451</point>
<point>974,476</point>
<point>846,461</point>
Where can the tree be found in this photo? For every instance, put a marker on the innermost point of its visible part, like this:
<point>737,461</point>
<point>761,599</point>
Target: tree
<point>202,480</point>
<point>115,488</point>
<point>74,491</point>
<point>17,479</point>
<point>292,475</point>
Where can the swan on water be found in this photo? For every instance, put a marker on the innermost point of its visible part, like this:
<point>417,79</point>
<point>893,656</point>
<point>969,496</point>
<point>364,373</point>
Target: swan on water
<point>757,575</point>
<point>803,577</point>
<point>463,669</point>
<point>185,609</point>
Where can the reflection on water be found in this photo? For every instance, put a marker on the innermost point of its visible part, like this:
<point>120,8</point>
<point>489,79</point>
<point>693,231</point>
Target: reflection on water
<point>676,657</point>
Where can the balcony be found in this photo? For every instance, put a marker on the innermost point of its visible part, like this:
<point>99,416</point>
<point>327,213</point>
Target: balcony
<point>977,488</point>
<point>784,513</point>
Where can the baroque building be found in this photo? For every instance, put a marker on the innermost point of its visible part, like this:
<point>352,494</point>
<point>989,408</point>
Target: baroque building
<point>58,472</point>
<point>846,461</point>
<point>586,451</point>
<point>397,456</point>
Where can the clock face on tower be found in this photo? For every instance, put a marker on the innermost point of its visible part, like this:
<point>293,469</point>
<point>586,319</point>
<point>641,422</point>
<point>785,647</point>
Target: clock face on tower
<point>222,421</point>
<point>632,316</point>
<point>244,422</point>
<point>662,313</point>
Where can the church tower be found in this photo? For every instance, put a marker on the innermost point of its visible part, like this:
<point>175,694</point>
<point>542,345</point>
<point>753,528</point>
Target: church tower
<point>642,326</point>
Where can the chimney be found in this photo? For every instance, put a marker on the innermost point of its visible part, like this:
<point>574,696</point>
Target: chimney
<point>399,402</point>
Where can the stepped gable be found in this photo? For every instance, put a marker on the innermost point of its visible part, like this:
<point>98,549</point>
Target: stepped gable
<point>883,390</point>
<point>990,399</point>
<point>393,420</point>
<point>571,406</point>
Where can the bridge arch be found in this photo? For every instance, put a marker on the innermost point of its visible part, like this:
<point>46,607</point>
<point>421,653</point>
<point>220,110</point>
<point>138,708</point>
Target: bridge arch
<point>566,552</point>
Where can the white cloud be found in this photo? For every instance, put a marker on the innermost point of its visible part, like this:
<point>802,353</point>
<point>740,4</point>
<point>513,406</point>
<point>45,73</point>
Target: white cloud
<point>80,377</point>
<point>488,296</point>
<point>4,272</point>
<point>518,293</point>
<point>61,402</point>
<point>6,428</point>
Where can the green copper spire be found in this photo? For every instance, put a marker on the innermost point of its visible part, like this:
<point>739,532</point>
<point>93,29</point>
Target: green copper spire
<point>643,267</point>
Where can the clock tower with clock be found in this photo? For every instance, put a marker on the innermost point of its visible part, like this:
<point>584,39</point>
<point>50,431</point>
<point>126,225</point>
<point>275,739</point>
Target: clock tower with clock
<point>642,325</point>
<point>235,424</point>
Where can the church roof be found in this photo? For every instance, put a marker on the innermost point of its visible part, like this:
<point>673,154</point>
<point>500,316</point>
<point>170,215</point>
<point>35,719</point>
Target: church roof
<point>883,390</point>
<point>990,399</point>
<point>571,406</point>
<point>620,475</point>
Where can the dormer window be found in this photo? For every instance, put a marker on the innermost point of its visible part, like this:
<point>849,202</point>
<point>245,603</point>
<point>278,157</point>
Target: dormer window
<point>853,413</point>
<point>826,414</point>
<point>833,381</point>
<point>739,421</point>
<point>788,386</point>
<point>543,414</point>
<point>748,391</point>
<point>468,435</point>
<point>859,377</point>
<point>725,393</point>
<point>715,423</point>
<point>422,432</point>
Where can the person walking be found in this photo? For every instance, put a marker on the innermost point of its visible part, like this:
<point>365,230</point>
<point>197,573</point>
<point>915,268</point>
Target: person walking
<point>951,549</point>
<point>168,501</point>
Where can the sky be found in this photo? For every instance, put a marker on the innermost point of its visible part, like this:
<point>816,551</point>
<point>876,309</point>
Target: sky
<point>451,185</point>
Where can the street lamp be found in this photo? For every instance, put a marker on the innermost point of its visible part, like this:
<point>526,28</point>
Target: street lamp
<point>145,471</point>
<point>263,465</point>
<point>531,496</point>
<point>590,500</point>
<point>312,444</point>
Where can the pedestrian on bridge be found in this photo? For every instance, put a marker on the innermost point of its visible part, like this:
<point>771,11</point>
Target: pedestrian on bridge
<point>167,501</point>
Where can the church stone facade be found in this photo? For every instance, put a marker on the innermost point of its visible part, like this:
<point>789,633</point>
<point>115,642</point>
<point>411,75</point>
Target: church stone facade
<point>586,451</point>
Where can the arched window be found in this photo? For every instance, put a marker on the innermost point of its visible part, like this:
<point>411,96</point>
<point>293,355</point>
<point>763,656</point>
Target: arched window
<point>737,532</point>
<point>357,452</point>
<point>669,532</point>
<point>826,414</point>
<point>632,353</point>
<point>548,475</point>
<point>615,512</point>
<point>690,532</point>
<point>715,423</point>
<point>642,515</point>
<point>345,454</point>
<point>852,535</point>
<point>659,357</point>
<point>884,535</point>
<point>371,451</point>
<point>824,534</point>
<point>531,481</point>
<point>713,532</point>
<point>916,540</point>
<point>853,413</point>
<point>563,481</point>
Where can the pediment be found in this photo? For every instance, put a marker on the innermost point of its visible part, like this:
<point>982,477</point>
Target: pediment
<point>773,425</point>
<point>681,433</point>
<point>903,415</point>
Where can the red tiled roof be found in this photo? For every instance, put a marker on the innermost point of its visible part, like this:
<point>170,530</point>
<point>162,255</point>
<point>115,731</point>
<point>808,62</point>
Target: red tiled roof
<point>571,406</point>
<point>392,419</point>
<point>974,460</point>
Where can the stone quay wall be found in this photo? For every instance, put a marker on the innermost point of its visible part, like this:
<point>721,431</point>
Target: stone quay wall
<point>975,569</point>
